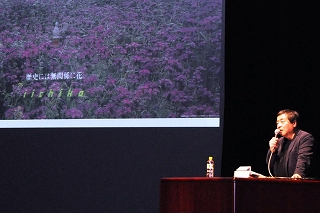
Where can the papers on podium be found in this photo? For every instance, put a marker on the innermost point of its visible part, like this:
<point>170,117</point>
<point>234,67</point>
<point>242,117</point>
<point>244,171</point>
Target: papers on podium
<point>245,172</point>
<point>242,172</point>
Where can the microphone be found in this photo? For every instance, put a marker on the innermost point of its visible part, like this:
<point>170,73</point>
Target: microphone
<point>276,132</point>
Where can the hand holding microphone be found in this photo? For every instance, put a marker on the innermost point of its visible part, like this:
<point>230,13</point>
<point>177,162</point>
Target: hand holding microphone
<point>273,143</point>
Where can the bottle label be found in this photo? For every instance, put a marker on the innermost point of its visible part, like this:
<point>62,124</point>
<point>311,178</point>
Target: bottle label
<point>210,169</point>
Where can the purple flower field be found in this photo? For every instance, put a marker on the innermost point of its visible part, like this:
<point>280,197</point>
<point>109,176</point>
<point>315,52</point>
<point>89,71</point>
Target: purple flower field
<point>110,58</point>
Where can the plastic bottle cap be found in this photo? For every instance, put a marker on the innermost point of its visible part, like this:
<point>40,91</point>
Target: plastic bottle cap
<point>210,158</point>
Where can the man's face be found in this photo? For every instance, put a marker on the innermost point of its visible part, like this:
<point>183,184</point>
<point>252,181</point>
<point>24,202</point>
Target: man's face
<point>285,126</point>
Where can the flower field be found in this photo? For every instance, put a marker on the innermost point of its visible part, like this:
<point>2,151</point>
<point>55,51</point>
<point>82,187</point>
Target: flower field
<point>64,59</point>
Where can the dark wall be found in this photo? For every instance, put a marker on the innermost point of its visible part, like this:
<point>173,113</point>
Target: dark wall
<point>99,169</point>
<point>271,63</point>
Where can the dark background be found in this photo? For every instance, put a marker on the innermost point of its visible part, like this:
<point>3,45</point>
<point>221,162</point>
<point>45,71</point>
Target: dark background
<point>271,63</point>
<point>97,170</point>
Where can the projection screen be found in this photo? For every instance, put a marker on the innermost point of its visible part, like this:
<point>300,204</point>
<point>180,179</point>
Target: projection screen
<point>104,63</point>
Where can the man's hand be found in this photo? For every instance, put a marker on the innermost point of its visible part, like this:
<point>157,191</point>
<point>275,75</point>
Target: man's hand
<point>296,176</point>
<point>273,144</point>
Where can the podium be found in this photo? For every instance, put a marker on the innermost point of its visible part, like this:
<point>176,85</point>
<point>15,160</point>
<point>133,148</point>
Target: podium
<point>238,195</point>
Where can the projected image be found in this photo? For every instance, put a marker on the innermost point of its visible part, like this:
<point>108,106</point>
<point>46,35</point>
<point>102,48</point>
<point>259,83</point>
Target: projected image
<point>103,59</point>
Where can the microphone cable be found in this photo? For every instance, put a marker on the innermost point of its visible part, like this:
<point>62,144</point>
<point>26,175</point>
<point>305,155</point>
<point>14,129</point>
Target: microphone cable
<point>269,164</point>
<point>276,132</point>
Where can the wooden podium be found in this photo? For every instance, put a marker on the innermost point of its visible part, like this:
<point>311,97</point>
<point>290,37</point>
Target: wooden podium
<point>238,195</point>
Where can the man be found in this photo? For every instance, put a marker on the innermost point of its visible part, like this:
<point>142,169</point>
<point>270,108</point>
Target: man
<point>295,153</point>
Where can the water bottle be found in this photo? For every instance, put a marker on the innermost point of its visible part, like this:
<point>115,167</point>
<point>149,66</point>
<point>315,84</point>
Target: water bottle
<point>210,167</point>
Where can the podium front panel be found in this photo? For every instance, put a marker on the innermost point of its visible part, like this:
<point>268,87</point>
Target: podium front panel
<point>196,195</point>
<point>238,195</point>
